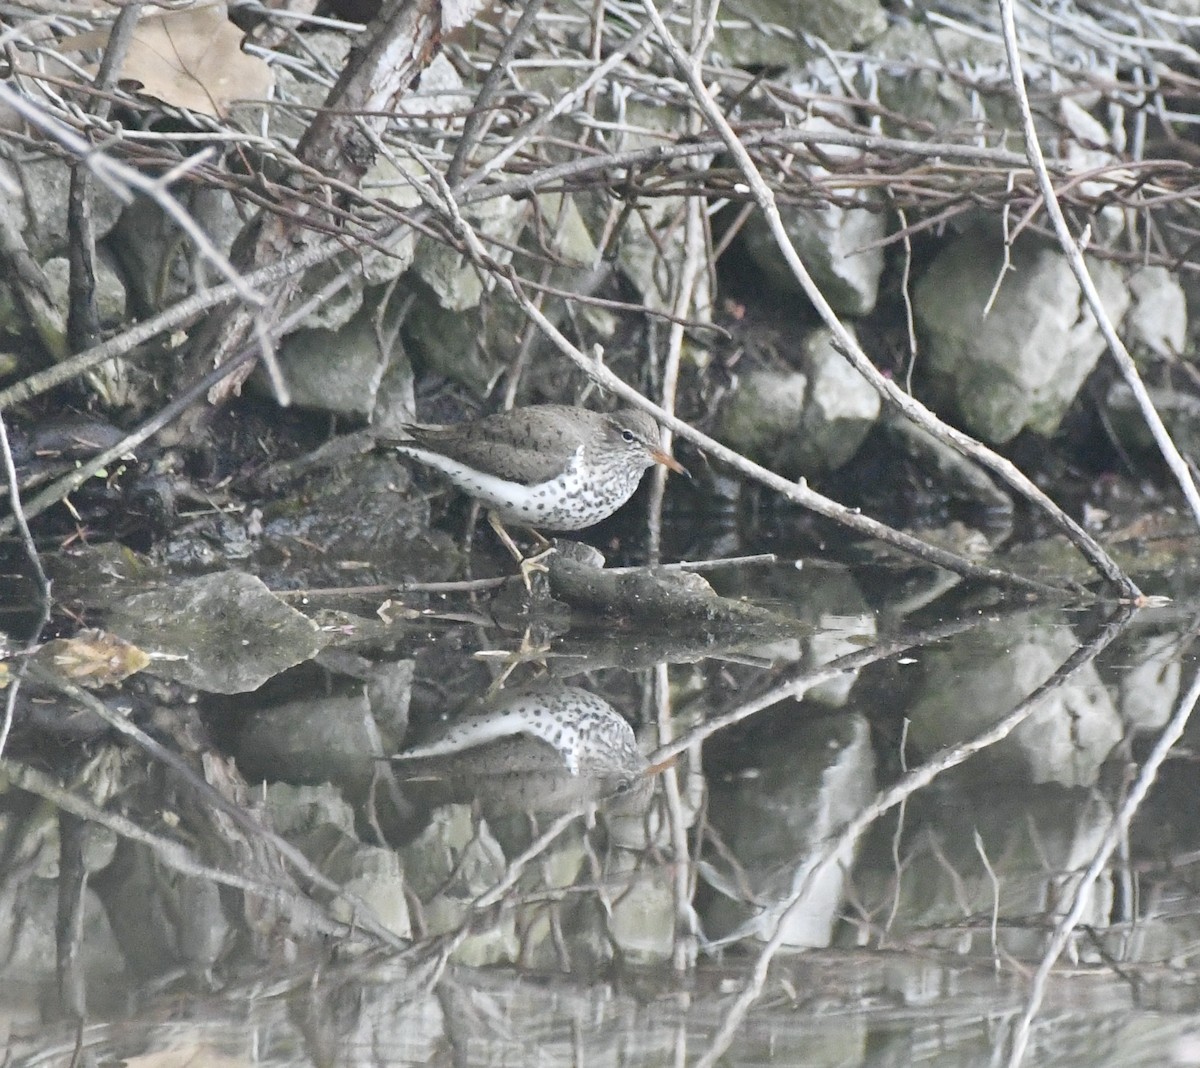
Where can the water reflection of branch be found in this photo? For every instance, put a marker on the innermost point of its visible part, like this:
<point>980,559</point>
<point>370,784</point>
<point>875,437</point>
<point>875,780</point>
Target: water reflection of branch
<point>495,894</point>
<point>687,926</point>
<point>801,682</point>
<point>173,854</point>
<point>365,917</point>
<point>883,803</point>
<point>1117,832</point>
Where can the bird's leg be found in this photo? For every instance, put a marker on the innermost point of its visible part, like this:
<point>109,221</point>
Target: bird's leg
<point>528,651</point>
<point>528,565</point>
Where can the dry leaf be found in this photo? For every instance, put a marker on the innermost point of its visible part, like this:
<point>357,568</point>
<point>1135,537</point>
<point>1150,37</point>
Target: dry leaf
<point>93,658</point>
<point>190,58</point>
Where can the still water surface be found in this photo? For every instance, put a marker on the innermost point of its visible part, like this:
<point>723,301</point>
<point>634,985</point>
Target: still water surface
<point>862,817</point>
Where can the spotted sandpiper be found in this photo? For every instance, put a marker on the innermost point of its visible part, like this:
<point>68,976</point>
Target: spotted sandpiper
<point>545,465</point>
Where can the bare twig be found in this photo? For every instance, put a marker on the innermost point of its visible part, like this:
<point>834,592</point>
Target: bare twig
<point>478,114</point>
<point>83,318</point>
<point>35,562</point>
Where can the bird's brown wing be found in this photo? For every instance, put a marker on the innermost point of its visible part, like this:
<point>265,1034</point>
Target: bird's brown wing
<point>517,446</point>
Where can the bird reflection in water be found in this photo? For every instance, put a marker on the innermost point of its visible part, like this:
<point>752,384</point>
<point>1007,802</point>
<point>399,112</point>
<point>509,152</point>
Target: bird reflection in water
<point>547,749</point>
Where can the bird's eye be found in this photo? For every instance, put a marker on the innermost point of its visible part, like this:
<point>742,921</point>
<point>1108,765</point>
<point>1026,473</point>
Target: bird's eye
<point>623,786</point>
<point>629,436</point>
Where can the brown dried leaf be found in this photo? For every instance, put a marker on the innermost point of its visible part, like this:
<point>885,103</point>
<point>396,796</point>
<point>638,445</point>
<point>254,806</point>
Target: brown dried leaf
<point>190,58</point>
<point>93,658</point>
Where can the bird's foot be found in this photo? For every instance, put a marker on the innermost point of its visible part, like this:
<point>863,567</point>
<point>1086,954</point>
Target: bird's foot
<point>530,565</point>
<point>527,652</point>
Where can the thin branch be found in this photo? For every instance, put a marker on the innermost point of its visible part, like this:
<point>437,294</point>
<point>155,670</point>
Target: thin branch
<point>83,318</point>
<point>35,561</point>
<point>469,136</point>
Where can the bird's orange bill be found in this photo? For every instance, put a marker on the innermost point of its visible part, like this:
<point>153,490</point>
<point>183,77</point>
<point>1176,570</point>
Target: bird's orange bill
<point>662,765</point>
<point>667,460</point>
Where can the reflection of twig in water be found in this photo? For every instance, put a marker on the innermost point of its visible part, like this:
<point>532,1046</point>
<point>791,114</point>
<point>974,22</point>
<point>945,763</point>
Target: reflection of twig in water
<point>897,835</point>
<point>802,681</point>
<point>1082,893</point>
<point>995,893</point>
<point>171,853</point>
<point>365,917</point>
<point>687,925</point>
<point>915,780</point>
<point>479,584</point>
<point>699,565</point>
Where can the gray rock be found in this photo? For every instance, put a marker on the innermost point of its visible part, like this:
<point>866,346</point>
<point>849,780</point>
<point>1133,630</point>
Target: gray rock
<point>840,247</point>
<point>455,281</point>
<point>637,246</point>
<point>471,348</point>
<point>642,924</point>
<point>225,633</point>
<point>1148,689</point>
<point>1157,321</point>
<point>451,863</point>
<point>765,408</point>
<point>912,59</point>
<point>1021,365</point>
<point>842,407</point>
<point>344,370</point>
<point>110,288</point>
<point>327,51</point>
<point>311,741</point>
<point>159,264</point>
<point>771,32</point>
<point>115,382</point>
<point>321,823</point>
<point>805,421</point>
<point>1180,414</point>
<point>40,210</point>
<point>779,823</point>
<point>335,309</point>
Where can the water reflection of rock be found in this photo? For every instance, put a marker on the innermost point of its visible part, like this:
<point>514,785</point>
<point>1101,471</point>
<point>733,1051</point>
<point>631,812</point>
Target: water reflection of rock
<point>546,750</point>
<point>968,684</point>
<point>776,814</point>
